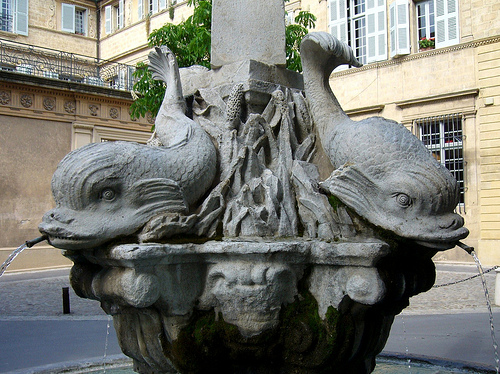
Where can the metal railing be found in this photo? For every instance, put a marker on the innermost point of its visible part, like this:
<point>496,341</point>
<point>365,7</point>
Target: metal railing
<point>50,63</point>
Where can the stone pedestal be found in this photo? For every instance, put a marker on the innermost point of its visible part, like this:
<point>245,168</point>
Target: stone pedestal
<point>248,30</point>
<point>251,305</point>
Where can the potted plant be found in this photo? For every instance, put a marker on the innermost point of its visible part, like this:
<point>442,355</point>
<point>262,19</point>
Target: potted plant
<point>426,44</point>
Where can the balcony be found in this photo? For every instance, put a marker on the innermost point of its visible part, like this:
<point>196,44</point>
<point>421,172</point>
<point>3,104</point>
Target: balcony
<point>63,66</point>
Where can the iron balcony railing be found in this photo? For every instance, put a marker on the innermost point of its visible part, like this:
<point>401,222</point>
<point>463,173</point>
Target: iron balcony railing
<point>50,63</point>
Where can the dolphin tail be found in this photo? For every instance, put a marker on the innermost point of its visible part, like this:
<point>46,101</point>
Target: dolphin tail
<point>333,52</point>
<point>163,66</point>
<point>159,64</point>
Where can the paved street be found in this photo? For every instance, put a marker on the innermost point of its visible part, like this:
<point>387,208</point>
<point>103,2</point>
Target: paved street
<point>449,323</point>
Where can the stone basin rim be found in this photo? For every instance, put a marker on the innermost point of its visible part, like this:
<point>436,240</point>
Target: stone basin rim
<point>292,251</point>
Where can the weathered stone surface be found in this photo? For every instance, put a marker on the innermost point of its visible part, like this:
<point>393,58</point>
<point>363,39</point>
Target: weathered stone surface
<point>271,270</point>
<point>108,190</point>
<point>248,30</point>
<point>383,172</point>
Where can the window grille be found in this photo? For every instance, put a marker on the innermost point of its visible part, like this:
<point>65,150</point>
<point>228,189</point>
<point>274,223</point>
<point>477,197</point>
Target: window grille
<point>443,136</point>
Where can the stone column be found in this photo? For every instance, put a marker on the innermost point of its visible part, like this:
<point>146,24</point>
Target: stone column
<point>248,30</point>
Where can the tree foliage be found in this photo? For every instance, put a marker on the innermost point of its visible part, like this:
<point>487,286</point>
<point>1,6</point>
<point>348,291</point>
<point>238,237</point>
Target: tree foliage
<point>190,41</point>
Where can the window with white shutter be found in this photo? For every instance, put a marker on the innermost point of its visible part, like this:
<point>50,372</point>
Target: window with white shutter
<point>399,28</point>
<point>73,19</point>
<point>376,32</point>
<point>153,6</point>
<point>363,25</point>
<point>14,16</point>
<point>163,4</point>
<point>338,19</point>
<point>21,17</point>
<point>447,32</point>
<point>107,19</point>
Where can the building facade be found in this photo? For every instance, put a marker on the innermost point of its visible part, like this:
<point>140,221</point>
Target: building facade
<point>66,74</point>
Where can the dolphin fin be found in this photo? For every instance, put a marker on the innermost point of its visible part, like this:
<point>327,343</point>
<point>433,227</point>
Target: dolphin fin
<point>159,194</point>
<point>350,184</point>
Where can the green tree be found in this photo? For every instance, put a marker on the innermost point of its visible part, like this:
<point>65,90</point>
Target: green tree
<point>190,42</point>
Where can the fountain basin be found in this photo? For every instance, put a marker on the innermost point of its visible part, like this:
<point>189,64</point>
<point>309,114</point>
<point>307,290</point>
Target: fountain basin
<point>279,305</point>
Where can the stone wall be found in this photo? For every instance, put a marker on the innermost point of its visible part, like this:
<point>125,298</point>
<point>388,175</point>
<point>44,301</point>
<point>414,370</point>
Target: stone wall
<point>488,77</point>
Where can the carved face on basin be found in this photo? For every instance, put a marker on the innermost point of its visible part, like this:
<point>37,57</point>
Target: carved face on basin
<point>105,191</point>
<point>416,203</point>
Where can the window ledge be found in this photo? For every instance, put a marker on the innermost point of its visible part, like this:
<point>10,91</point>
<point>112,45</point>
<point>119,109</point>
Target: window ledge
<point>419,55</point>
<point>447,96</point>
<point>374,109</point>
<point>11,35</point>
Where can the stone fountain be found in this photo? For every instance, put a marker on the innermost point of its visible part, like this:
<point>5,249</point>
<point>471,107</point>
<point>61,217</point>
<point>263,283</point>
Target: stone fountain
<point>260,230</point>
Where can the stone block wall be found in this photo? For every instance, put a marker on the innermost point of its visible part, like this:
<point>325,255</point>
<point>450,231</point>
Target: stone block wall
<point>488,76</point>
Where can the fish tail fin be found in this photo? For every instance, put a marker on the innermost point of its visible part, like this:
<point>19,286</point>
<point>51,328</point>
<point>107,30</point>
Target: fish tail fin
<point>322,45</point>
<point>159,63</point>
<point>163,66</point>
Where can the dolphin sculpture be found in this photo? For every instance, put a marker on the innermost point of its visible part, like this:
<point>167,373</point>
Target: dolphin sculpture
<point>104,191</point>
<point>383,172</point>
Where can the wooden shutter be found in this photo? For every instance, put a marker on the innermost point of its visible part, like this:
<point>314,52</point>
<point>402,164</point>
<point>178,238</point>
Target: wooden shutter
<point>155,6</point>
<point>68,17</point>
<point>121,6</point>
<point>21,17</point>
<point>399,28</point>
<point>107,19</point>
<point>338,19</point>
<point>376,30</point>
<point>140,8</point>
<point>447,32</point>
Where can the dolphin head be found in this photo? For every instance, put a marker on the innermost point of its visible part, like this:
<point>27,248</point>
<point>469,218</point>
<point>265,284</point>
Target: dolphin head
<point>104,191</point>
<point>414,201</point>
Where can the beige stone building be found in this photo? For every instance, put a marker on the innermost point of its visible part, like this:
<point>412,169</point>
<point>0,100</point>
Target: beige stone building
<point>66,74</point>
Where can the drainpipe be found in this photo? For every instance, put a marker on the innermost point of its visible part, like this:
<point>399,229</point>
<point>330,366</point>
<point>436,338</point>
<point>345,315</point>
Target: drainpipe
<point>98,30</point>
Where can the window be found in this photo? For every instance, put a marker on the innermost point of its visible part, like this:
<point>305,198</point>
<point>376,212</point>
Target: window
<point>434,19</point>
<point>152,6</point>
<point>362,24</point>
<point>119,14</point>
<point>74,19</point>
<point>425,20</point>
<point>14,16</point>
<point>114,17</point>
<point>443,137</point>
<point>80,21</point>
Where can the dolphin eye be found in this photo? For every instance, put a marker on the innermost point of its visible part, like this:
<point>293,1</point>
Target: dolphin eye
<point>108,194</point>
<point>403,200</point>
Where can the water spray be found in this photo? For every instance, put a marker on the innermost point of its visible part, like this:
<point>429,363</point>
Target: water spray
<point>13,255</point>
